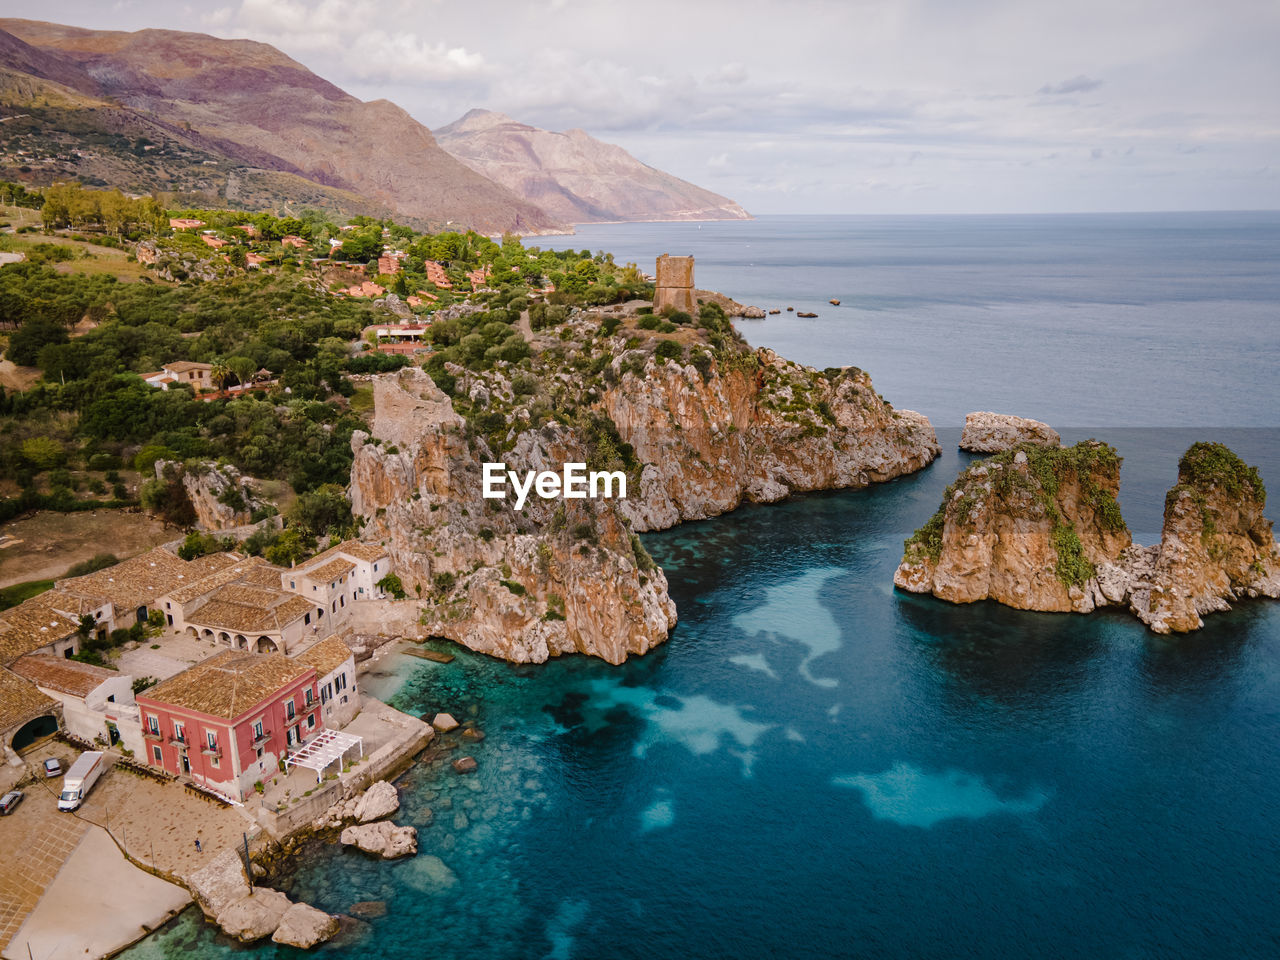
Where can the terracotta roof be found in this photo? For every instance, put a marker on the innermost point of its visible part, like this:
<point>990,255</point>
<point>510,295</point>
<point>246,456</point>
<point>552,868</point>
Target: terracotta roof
<point>249,596</point>
<point>183,366</point>
<point>229,684</point>
<point>197,586</point>
<point>330,571</point>
<point>368,552</point>
<point>135,582</point>
<point>29,626</point>
<point>58,673</point>
<point>326,656</point>
<point>223,612</point>
<point>263,574</point>
<point>20,700</point>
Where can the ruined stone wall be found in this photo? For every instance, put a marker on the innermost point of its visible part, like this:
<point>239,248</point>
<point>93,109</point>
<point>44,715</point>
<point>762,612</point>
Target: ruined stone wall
<point>674,284</point>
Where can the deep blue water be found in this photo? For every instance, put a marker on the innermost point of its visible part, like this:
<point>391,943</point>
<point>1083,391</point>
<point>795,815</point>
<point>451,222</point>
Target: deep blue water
<point>816,765</point>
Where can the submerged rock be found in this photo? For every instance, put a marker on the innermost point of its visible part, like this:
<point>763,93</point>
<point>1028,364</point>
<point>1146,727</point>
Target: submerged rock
<point>367,909</point>
<point>465,765</point>
<point>986,432</point>
<point>383,838</point>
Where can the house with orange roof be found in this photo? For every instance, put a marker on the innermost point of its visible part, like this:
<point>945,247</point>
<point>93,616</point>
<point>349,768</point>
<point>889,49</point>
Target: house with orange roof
<point>184,223</point>
<point>292,241</point>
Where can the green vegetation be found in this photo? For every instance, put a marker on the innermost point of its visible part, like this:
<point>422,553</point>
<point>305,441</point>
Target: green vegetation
<point>13,595</point>
<point>391,584</point>
<point>1209,465</point>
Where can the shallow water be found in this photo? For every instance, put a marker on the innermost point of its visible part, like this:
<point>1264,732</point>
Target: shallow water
<point>817,765</point>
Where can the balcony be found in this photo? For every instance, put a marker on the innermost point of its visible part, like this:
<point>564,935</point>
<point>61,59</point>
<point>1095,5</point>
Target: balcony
<point>259,741</point>
<point>178,742</point>
<point>209,751</point>
<point>152,735</point>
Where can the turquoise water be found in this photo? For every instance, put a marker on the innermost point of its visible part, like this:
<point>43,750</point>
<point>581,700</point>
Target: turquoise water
<point>817,765</point>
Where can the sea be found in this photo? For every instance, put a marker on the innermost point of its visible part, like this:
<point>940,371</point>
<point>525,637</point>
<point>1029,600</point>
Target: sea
<point>817,765</point>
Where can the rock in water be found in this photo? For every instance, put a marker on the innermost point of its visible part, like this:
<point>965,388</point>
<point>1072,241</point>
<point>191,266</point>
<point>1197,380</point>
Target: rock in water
<point>444,722</point>
<point>465,765</point>
<point>380,800</point>
<point>1215,545</point>
<point>304,926</point>
<point>1038,528</point>
<point>995,432</point>
<point>382,838</point>
<point>367,909</point>
<point>1027,527</point>
<point>254,917</point>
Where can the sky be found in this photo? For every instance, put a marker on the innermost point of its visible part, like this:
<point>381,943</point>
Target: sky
<point>806,107</point>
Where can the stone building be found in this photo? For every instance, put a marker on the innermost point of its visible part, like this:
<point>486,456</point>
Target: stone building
<point>674,284</point>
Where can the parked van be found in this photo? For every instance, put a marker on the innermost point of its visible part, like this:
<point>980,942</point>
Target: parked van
<point>84,773</point>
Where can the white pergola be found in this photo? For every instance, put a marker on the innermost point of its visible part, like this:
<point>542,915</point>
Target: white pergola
<point>328,746</point>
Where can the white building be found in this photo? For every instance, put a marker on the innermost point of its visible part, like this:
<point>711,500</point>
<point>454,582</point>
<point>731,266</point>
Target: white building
<point>336,679</point>
<point>97,703</point>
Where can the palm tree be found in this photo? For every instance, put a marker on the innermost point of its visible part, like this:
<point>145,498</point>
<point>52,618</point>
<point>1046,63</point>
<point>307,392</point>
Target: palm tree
<point>220,373</point>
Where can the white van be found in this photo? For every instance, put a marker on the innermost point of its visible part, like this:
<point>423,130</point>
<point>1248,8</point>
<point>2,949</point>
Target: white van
<point>84,773</point>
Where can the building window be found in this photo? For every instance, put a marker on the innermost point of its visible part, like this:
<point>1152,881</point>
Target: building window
<point>334,606</point>
<point>306,618</point>
<point>212,739</point>
<point>159,757</point>
<point>292,585</point>
<point>375,568</point>
<point>342,601</point>
<point>319,613</point>
<point>257,730</point>
<point>290,710</point>
<point>153,725</point>
<point>311,697</point>
<point>179,732</point>
<point>215,761</point>
<point>311,722</point>
<point>326,692</point>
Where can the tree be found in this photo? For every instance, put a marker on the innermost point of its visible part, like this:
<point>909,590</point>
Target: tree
<point>220,373</point>
<point>242,368</point>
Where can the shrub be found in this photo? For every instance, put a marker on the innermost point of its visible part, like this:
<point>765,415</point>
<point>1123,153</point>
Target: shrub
<point>670,350</point>
<point>391,584</point>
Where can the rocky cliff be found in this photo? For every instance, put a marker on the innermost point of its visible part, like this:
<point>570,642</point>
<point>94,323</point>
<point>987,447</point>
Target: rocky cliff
<point>1215,546</point>
<point>221,496</point>
<point>575,177</point>
<point>1039,529</point>
<point>1027,527</point>
<point>696,420</point>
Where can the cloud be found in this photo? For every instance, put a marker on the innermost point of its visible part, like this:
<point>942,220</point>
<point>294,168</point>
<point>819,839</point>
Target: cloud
<point>719,160</point>
<point>1077,84</point>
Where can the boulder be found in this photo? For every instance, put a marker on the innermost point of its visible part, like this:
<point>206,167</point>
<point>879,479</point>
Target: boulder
<point>254,917</point>
<point>220,883</point>
<point>304,926</point>
<point>380,800</point>
<point>367,909</point>
<point>444,722</point>
<point>474,734</point>
<point>383,838</point>
<point>465,765</point>
<point>753,313</point>
<point>986,432</point>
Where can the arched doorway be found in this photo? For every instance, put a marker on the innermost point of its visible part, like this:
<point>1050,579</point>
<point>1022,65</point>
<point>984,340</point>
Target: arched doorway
<point>240,643</point>
<point>225,637</point>
<point>33,730</point>
<point>193,633</point>
<point>267,645</point>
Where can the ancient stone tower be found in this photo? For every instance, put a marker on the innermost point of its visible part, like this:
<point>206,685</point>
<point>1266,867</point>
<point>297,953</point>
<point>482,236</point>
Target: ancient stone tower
<point>675,284</point>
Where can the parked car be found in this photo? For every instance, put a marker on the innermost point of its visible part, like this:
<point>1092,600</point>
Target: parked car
<point>9,801</point>
<point>53,767</point>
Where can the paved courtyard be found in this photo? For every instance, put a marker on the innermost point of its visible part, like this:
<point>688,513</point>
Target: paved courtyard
<point>37,840</point>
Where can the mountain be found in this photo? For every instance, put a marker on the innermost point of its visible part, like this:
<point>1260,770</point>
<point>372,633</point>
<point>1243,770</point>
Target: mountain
<point>574,176</point>
<point>227,114</point>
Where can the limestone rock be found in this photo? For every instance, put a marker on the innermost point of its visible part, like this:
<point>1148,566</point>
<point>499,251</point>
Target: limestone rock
<point>367,909</point>
<point>994,432</point>
<point>304,926</point>
<point>222,497</point>
<point>254,917</point>
<point>567,576</point>
<point>753,313</point>
<point>465,765</point>
<point>444,722</point>
<point>382,838</point>
<point>1000,534</point>
<point>219,883</point>
<point>380,800</point>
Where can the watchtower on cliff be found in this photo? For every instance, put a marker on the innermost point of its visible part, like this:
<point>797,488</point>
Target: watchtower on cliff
<point>675,284</point>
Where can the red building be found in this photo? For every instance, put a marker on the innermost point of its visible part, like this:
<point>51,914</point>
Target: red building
<point>229,720</point>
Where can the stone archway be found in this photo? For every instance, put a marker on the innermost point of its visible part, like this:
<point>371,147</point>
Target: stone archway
<point>193,633</point>
<point>225,638</point>
<point>240,642</point>
<point>267,645</point>
<point>207,634</point>
<point>34,730</point>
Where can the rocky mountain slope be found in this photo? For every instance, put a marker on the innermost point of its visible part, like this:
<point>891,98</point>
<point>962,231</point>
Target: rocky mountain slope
<point>575,177</point>
<point>1038,528</point>
<point>697,421</point>
<point>245,105</point>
